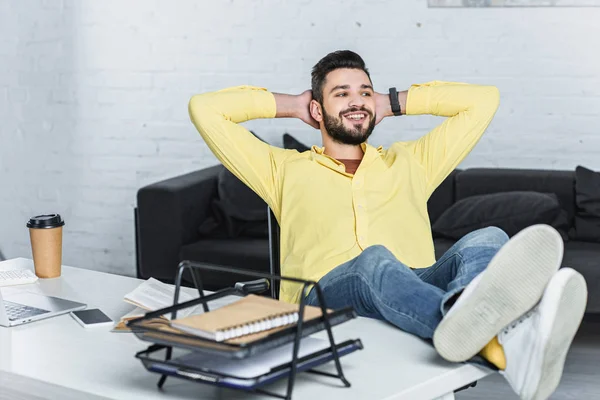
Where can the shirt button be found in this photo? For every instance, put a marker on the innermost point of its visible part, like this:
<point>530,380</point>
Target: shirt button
<point>361,238</point>
<point>360,206</point>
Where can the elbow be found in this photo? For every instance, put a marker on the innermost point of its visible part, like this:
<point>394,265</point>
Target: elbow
<point>197,108</point>
<point>485,103</point>
<point>196,103</point>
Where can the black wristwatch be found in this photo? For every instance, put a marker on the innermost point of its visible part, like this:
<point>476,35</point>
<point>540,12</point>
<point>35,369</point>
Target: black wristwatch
<point>394,102</point>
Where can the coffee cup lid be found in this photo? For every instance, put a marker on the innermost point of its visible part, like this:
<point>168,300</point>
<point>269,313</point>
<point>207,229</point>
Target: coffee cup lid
<point>46,221</point>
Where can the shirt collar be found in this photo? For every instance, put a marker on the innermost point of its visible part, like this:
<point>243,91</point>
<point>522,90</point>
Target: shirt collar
<point>371,154</point>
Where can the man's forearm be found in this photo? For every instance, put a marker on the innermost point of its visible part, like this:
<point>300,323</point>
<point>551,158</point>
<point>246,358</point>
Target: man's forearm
<point>287,105</point>
<point>447,99</point>
<point>387,110</point>
<point>295,106</point>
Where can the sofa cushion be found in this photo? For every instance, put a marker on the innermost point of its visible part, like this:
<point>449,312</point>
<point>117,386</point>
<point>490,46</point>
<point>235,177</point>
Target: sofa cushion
<point>290,142</point>
<point>442,198</point>
<point>587,197</point>
<point>442,245</point>
<point>510,211</point>
<point>584,257</point>
<point>478,181</point>
<point>236,210</point>
<point>244,253</point>
<point>238,200</point>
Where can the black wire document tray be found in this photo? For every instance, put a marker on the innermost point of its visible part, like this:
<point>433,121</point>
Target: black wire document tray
<point>196,366</point>
<point>149,333</point>
<point>249,365</point>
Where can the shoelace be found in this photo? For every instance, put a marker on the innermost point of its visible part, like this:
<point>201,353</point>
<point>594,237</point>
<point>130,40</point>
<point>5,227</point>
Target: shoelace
<point>516,322</point>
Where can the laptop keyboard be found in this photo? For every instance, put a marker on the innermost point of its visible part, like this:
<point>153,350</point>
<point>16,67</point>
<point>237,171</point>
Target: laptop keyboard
<point>17,311</point>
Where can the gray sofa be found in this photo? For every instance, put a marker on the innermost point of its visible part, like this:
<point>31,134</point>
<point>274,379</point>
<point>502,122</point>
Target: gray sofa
<point>169,213</point>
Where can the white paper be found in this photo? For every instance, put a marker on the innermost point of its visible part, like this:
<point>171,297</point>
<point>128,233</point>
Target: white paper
<point>257,365</point>
<point>153,295</point>
<point>136,312</point>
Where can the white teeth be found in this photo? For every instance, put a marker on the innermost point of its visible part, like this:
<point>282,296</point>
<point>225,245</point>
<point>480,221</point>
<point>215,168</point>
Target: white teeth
<point>355,117</point>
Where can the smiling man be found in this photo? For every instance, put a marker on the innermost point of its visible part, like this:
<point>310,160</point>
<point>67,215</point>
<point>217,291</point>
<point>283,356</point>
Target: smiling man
<point>354,218</point>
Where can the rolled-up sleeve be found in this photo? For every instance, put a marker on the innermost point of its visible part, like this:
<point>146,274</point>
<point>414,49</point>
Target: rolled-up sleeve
<point>217,115</point>
<point>470,109</point>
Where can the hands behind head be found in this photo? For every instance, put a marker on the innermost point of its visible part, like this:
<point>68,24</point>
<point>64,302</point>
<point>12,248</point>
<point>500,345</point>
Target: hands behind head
<point>304,109</point>
<point>382,108</point>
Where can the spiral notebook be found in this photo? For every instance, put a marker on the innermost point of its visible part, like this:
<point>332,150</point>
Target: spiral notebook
<point>249,315</point>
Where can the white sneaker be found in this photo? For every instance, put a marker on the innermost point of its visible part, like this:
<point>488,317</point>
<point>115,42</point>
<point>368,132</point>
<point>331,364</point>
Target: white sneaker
<point>536,345</point>
<point>512,284</point>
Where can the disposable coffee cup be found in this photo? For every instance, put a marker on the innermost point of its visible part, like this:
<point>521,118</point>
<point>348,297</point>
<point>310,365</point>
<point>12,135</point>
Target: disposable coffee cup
<point>45,232</point>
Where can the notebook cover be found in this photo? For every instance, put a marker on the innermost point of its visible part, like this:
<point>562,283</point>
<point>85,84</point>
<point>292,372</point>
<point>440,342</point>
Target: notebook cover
<point>248,309</point>
<point>159,333</point>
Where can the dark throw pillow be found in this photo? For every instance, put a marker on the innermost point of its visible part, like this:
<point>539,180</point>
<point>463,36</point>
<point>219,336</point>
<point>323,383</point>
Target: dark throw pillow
<point>236,211</point>
<point>290,142</point>
<point>587,199</point>
<point>238,200</point>
<point>509,211</point>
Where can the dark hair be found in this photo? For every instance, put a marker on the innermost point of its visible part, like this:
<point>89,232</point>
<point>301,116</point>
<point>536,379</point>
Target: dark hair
<point>332,61</point>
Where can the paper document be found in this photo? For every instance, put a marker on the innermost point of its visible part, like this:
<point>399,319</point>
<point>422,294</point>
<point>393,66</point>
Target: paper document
<point>257,365</point>
<point>153,295</point>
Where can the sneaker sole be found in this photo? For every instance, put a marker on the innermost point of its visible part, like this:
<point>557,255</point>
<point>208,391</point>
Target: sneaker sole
<point>511,285</point>
<point>570,308</point>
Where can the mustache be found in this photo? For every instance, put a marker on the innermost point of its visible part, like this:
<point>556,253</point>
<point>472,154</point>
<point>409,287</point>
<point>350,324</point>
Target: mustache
<point>355,109</point>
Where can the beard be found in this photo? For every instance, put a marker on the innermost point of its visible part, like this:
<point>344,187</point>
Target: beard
<point>352,136</point>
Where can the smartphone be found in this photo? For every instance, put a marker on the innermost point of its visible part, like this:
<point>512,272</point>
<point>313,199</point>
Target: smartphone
<point>91,318</point>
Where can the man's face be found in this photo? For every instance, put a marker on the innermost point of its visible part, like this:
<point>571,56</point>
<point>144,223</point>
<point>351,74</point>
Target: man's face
<point>348,106</point>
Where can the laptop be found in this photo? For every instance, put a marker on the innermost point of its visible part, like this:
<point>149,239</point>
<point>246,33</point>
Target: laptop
<point>23,307</point>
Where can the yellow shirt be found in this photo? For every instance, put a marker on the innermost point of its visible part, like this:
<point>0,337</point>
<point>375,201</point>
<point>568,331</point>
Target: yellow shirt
<point>327,216</point>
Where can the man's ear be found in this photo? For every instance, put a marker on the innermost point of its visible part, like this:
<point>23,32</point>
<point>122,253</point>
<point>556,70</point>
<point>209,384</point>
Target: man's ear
<point>315,111</point>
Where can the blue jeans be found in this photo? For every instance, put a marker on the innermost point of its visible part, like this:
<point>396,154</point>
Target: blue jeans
<point>377,285</point>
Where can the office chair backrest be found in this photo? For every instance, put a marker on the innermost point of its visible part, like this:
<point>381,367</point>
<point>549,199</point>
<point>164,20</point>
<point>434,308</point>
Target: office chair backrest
<point>275,267</point>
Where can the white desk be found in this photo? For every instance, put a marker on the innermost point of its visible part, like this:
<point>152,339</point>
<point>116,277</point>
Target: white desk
<point>58,359</point>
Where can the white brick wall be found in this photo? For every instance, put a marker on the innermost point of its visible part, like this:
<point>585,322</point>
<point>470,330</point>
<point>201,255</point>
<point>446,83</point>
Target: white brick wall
<point>93,94</point>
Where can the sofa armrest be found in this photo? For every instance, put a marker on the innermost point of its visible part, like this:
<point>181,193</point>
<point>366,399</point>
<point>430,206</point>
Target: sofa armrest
<point>169,214</point>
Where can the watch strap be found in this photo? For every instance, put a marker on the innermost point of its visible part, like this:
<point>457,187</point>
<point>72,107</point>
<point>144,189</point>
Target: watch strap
<point>394,102</point>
